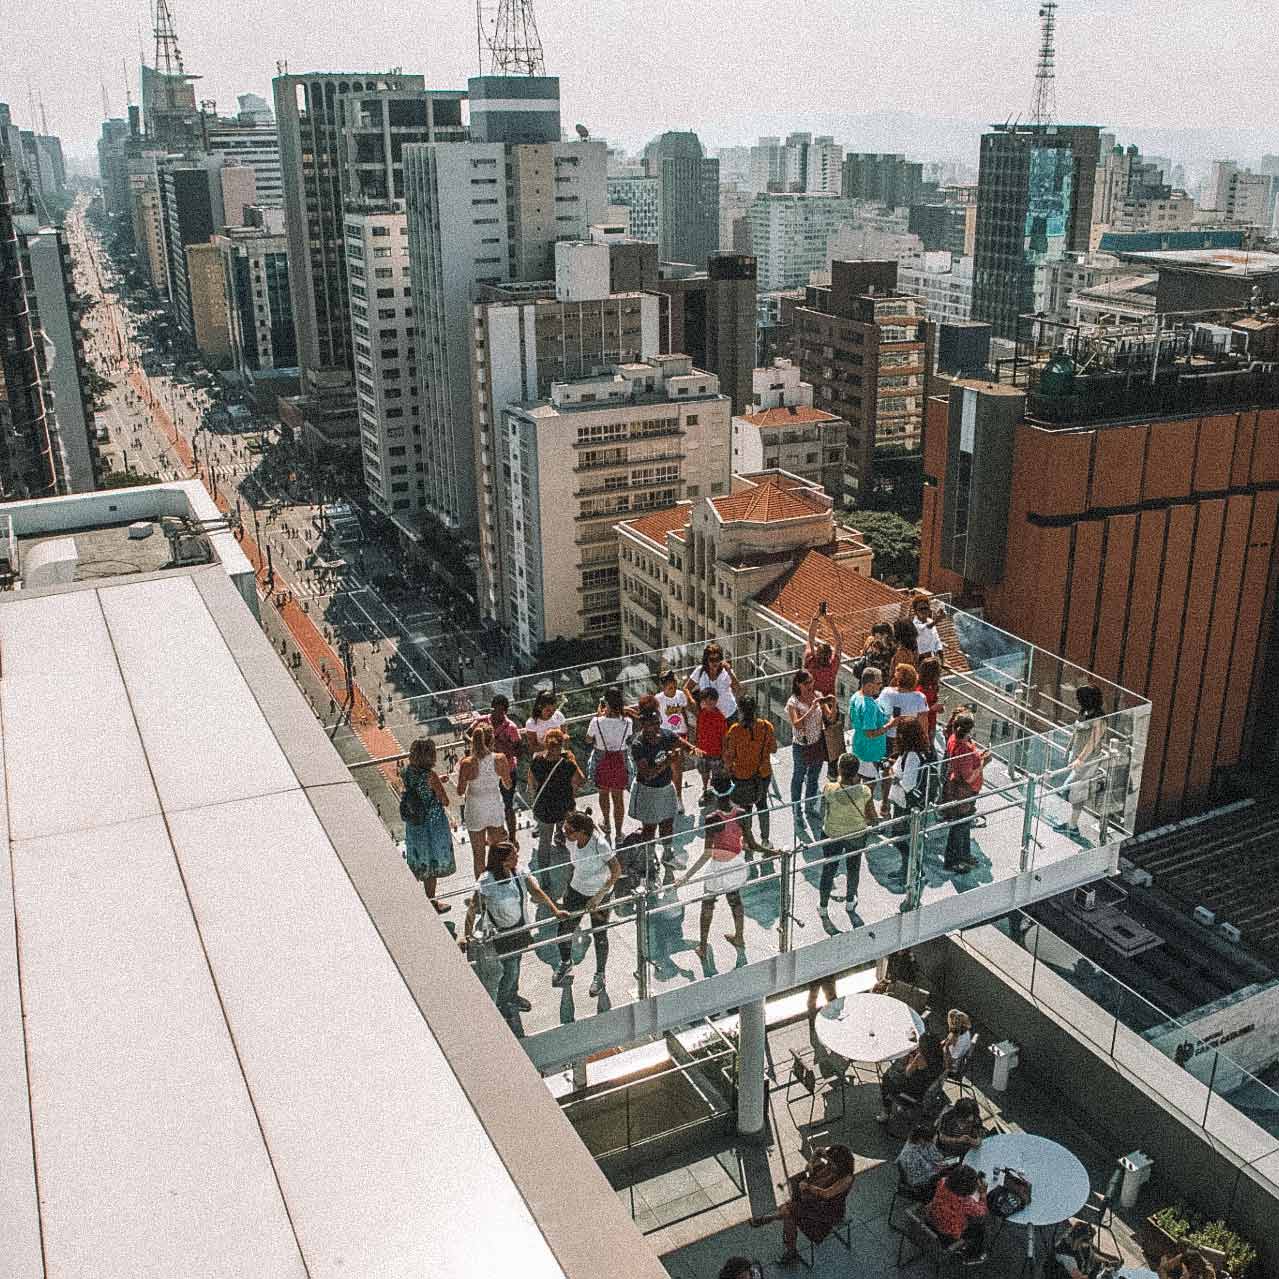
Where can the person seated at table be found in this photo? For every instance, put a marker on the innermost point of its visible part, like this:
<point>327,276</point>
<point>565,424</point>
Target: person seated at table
<point>817,1199</point>
<point>959,1128</point>
<point>1189,1263</point>
<point>1075,1252</point>
<point>959,1039</point>
<point>912,1076</point>
<point>958,1209</point>
<point>920,1161</point>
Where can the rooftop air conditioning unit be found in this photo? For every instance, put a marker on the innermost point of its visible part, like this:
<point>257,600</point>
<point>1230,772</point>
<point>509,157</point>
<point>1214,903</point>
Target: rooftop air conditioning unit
<point>1230,933</point>
<point>1086,898</point>
<point>1204,916</point>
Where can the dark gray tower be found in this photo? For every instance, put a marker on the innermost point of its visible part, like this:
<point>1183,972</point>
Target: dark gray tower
<point>26,451</point>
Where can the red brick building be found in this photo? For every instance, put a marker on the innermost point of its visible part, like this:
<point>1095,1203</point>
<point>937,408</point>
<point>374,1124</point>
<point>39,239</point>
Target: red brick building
<point>1128,521</point>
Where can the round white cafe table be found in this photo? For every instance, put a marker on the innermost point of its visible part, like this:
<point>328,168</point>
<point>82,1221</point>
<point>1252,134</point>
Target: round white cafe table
<point>869,1028</point>
<point>1059,1184</point>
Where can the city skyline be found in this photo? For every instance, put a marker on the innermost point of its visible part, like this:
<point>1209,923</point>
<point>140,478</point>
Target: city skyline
<point>1149,77</point>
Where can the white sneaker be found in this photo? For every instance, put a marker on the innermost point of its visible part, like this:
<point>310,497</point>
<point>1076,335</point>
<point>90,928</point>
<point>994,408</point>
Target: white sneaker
<point>563,974</point>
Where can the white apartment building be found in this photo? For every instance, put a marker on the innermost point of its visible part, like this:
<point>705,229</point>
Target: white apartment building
<point>388,399</point>
<point>790,233</point>
<point>824,166</point>
<point>708,566</point>
<point>484,212</point>
<point>782,431</point>
<point>634,438</point>
<point>256,145</point>
<point>944,281</point>
<point>528,338</point>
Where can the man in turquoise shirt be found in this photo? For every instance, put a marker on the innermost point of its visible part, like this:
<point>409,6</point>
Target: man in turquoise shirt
<point>871,724</point>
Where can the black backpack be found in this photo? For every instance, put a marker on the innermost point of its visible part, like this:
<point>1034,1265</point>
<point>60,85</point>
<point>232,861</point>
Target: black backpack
<point>412,806</point>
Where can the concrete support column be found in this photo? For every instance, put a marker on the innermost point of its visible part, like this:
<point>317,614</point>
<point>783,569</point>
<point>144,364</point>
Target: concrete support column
<point>751,1090</point>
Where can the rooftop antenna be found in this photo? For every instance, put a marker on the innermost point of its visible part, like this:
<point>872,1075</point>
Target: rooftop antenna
<point>1044,111</point>
<point>168,57</point>
<point>510,36</point>
<point>106,101</point>
<point>44,119</point>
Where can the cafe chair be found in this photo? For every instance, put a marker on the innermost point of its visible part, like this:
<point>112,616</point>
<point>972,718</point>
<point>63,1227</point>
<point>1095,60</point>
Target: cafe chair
<point>908,1110</point>
<point>1099,1211</point>
<point>962,1072</point>
<point>805,1079</point>
<point>842,1232</point>
<point>913,1194</point>
<point>947,1257</point>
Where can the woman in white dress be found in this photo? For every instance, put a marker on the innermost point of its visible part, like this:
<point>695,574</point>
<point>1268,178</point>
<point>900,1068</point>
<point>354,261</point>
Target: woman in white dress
<point>730,871</point>
<point>480,777</point>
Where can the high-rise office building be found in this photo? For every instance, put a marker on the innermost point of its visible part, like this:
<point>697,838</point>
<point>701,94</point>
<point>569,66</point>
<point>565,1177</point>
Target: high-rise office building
<point>59,351</point>
<point>486,211</point>
<point>249,140</point>
<point>878,178</point>
<point>1034,203</point>
<point>689,197</point>
<point>198,197</point>
<point>388,398</point>
<point>255,268</point>
<point>312,114</point>
<point>642,198</point>
<point>1109,505</point>
<point>790,233</point>
<point>206,288</point>
<point>27,465</point>
<point>862,343</point>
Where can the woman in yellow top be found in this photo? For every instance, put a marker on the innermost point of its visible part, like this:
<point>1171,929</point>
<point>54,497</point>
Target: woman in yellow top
<point>848,812</point>
<point>748,755</point>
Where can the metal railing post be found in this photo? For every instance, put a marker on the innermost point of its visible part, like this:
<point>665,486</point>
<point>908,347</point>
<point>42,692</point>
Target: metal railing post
<point>641,942</point>
<point>915,863</point>
<point>1108,771</point>
<point>1212,1079</point>
<point>1028,820</point>
<point>787,897</point>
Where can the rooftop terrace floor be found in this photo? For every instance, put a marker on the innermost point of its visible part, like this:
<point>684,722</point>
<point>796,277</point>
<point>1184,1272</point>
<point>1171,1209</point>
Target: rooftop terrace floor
<point>712,1190</point>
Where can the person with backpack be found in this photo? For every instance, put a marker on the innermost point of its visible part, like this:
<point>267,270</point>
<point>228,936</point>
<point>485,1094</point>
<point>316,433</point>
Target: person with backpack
<point>428,838</point>
<point>553,779</point>
<point>501,904</point>
<point>722,846</point>
<point>912,782</point>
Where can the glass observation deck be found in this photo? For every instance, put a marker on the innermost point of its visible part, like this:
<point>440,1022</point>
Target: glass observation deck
<point>1022,699</point>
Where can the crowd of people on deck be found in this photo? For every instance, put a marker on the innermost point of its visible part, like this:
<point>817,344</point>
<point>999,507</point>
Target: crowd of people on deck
<point>883,756</point>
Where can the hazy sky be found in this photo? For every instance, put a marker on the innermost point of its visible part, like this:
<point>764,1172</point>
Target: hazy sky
<point>729,68</point>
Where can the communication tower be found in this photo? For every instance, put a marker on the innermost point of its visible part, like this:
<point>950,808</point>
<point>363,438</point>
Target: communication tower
<point>507,39</point>
<point>1044,111</point>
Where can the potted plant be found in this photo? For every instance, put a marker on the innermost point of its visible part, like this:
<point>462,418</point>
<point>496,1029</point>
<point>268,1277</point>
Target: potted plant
<point>1226,1250</point>
<point>1175,1227</point>
<point>1165,1230</point>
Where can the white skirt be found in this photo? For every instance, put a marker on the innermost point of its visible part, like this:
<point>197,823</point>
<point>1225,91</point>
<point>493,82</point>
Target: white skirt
<point>727,877</point>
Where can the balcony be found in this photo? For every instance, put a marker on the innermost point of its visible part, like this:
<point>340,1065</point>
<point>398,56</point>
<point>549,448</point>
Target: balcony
<point>1022,700</point>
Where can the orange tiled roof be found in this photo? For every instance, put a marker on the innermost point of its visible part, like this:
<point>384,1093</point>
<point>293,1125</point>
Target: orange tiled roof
<point>766,502</point>
<point>797,416</point>
<point>797,594</point>
<point>656,524</point>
